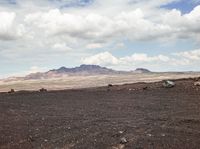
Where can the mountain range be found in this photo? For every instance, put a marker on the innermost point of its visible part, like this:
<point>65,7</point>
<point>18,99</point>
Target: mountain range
<point>81,70</point>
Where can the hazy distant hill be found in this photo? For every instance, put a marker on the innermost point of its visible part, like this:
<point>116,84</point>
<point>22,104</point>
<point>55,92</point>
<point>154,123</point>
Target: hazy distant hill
<point>142,70</point>
<point>82,70</point>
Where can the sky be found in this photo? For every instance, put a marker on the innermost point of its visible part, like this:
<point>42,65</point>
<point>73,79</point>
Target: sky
<point>38,35</point>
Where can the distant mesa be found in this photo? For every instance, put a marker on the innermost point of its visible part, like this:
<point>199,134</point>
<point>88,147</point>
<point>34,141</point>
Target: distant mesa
<point>142,70</point>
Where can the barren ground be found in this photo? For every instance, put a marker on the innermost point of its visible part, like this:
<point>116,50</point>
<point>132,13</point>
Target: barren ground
<point>97,118</point>
<point>76,82</point>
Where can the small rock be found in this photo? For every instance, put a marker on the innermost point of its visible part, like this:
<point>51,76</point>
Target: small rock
<point>163,135</point>
<point>123,140</point>
<point>45,140</point>
<point>20,142</point>
<point>149,135</point>
<point>43,90</point>
<point>119,146</point>
<point>139,147</point>
<point>110,85</point>
<point>121,132</point>
<point>197,83</point>
<point>11,91</point>
<point>31,138</point>
<point>145,88</point>
<point>197,79</point>
<point>131,89</point>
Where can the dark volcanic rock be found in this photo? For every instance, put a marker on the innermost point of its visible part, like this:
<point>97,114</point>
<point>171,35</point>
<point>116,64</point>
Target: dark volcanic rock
<point>11,91</point>
<point>91,118</point>
<point>43,90</point>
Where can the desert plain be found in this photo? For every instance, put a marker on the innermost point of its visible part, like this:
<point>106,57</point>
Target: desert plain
<point>125,115</point>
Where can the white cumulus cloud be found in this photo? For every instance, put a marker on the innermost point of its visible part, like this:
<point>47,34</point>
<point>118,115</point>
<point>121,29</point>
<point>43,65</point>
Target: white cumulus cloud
<point>9,29</point>
<point>52,32</point>
<point>186,58</point>
<point>104,58</point>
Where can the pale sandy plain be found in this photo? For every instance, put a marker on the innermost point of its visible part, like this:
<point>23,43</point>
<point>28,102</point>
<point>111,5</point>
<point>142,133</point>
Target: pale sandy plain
<point>75,82</point>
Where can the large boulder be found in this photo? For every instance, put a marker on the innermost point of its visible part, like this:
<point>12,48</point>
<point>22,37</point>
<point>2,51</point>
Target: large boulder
<point>168,84</point>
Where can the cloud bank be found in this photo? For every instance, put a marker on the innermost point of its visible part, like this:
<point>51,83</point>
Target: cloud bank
<point>59,32</point>
<point>141,59</point>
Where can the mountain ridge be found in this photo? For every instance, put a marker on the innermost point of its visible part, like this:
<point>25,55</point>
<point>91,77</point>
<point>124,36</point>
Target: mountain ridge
<point>82,70</point>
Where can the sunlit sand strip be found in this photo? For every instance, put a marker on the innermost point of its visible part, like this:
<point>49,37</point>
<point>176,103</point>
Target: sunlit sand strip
<point>75,82</point>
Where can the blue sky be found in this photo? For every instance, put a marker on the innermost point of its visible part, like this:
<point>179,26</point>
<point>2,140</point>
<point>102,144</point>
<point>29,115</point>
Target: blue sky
<point>185,6</point>
<point>38,35</point>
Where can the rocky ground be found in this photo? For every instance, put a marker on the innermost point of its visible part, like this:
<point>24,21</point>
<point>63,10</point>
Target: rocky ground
<point>132,116</point>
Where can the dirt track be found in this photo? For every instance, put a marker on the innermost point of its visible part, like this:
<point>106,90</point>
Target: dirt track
<point>97,118</point>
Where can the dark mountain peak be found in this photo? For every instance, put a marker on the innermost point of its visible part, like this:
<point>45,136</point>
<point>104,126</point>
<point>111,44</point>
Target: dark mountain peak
<point>60,70</point>
<point>84,66</point>
<point>83,69</point>
<point>142,70</point>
